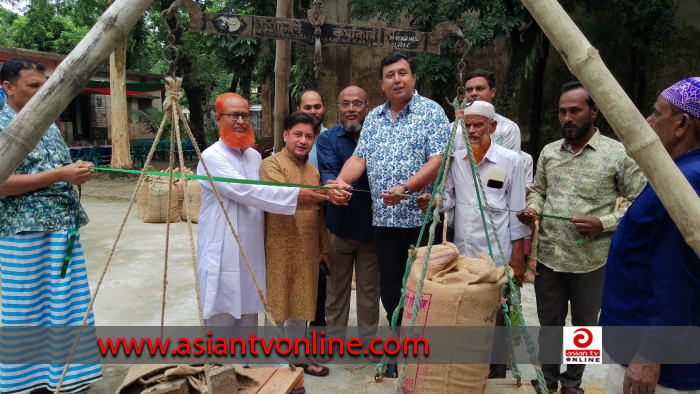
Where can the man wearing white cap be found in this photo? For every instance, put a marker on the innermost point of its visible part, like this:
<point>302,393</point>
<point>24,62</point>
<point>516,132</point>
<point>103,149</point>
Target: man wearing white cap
<point>503,177</point>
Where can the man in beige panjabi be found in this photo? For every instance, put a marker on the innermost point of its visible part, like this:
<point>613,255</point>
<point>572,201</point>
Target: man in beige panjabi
<point>295,244</point>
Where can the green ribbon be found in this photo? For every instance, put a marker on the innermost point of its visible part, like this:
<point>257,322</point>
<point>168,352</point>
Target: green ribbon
<point>227,180</point>
<point>71,241</point>
<point>283,184</point>
<point>499,209</point>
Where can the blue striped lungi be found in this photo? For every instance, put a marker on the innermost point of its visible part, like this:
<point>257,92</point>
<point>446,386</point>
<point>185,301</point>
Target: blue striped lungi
<point>41,315</point>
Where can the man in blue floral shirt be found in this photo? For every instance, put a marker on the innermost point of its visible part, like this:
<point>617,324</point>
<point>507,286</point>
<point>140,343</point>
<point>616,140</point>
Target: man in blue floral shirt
<point>401,147</point>
<point>39,209</point>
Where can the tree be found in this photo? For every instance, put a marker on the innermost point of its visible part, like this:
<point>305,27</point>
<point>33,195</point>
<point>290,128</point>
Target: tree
<point>482,22</point>
<point>622,29</point>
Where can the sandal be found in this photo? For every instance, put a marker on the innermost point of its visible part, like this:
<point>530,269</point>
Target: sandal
<point>392,371</point>
<point>536,385</point>
<point>307,370</point>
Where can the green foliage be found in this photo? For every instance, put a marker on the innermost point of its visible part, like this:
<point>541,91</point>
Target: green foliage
<point>302,75</point>
<point>481,21</point>
<point>151,118</point>
<point>7,18</point>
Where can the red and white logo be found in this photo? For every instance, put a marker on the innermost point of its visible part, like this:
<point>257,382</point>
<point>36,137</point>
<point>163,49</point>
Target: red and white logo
<point>583,345</point>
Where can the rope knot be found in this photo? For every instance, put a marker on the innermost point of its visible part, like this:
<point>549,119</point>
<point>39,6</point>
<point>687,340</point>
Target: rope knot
<point>172,89</point>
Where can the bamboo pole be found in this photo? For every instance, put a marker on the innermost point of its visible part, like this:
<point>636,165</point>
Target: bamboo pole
<point>283,57</point>
<point>641,143</point>
<point>20,137</point>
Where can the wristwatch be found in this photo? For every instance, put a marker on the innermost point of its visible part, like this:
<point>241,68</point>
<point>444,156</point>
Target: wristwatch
<point>405,188</point>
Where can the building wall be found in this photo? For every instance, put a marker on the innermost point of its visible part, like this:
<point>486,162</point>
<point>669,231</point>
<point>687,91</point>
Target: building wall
<point>75,122</point>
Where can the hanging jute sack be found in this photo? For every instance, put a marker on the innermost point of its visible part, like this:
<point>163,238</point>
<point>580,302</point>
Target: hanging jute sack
<point>191,191</point>
<point>153,200</point>
<point>457,291</point>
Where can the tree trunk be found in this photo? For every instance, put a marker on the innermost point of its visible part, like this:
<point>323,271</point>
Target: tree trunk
<point>641,143</point>
<point>245,84</point>
<point>520,50</point>
<point>234,84</point>
<point>20,137</point>
<point>121,151</point>
<point>194,95</point>
<point>283,56</point>
<point>194,90</point>
<point>266,99</point>
<point>537,94</point>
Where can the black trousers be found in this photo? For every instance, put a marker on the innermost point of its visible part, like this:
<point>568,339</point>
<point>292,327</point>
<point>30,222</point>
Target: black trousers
<point>320,319</point>
<point>554,291</point>
<point>392,245</point>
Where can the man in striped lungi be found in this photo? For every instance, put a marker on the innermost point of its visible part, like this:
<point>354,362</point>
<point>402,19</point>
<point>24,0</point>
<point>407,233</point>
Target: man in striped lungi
<point>39,209</point>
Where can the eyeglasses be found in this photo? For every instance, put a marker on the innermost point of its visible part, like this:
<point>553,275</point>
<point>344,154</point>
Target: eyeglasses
<point>234,116</point>
<point>355,104</point>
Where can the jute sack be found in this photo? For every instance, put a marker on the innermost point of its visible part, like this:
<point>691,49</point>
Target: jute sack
<point>192,192</point>
<point>140,377</point>
<point>152,200</point>
<point>457,291</point>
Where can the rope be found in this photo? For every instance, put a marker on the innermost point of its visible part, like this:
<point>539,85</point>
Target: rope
<point>189,219</point>
<point>170,107</point>
<point>439,188</point>
<point>114,245</point>
<point>171,157</point>
<point>266,306</point>
<point>176,82</point>
<point>514,301</point>
<point>71,239</point>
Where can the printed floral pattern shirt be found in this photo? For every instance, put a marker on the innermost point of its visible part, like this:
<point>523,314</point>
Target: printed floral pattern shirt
<point>396,150</point>
<point>48,209</point>
<point>586,183</point>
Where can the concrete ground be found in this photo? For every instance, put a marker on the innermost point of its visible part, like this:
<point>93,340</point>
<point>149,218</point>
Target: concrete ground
<point>131,291</point>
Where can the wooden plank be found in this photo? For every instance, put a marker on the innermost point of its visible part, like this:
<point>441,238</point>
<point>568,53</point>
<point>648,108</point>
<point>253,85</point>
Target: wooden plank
<point>282,381</point>
<point>260,375</point>
<point>272,380</point>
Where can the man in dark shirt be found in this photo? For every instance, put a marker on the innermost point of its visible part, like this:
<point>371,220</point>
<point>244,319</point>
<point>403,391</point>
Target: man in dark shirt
<point>350,227</point>
<point>653,275</point>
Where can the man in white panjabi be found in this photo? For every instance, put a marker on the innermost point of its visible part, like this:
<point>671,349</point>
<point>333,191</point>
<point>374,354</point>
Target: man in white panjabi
<point>503,178</point>
<point>228,294</point>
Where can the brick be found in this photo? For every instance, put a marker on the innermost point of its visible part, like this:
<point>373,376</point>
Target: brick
<point>179,386</point>
<point>222,380</point>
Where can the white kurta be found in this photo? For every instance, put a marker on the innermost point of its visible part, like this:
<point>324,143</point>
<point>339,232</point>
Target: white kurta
<point>224,280</point>
<point>461,195</point>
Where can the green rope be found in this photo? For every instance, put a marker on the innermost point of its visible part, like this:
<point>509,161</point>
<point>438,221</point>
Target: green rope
<point>509,294</point>
<point>71,238</point>
<point>490,207</point>
<point>438,188</point>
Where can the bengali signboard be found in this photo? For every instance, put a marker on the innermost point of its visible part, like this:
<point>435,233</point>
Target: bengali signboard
<point>331,34</point>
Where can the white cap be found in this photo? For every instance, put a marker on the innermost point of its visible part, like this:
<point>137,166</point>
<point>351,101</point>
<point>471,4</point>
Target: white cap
<point>481,108</point>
